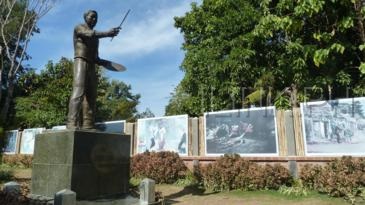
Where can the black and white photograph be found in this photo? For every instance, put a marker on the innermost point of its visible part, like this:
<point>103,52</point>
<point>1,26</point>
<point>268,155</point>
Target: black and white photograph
<point>111,126</point>
<point>335,127</point>
<point>117,126</point>
<point>28,139</point>
<point>11,138</point>
<point>246,132</point>
<point>163,134</point>
<point>59,127</point>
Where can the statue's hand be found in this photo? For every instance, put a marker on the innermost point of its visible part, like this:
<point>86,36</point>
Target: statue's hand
<point>113,32</point>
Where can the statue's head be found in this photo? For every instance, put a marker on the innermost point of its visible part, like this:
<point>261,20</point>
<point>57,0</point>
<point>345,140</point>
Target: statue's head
<point>91,18</point>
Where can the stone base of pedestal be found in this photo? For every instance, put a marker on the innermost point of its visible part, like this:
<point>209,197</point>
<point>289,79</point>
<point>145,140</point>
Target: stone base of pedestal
<point>92,164</point>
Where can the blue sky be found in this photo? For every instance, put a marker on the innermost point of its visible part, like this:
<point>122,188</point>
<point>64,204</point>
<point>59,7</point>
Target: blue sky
<point>148,45</point>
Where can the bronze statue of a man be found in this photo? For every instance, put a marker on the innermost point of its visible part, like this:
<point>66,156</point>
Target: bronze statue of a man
<point>81,109</point>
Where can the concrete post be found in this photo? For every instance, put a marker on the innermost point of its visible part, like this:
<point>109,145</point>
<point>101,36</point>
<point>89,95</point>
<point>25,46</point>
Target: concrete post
<point>147,191</point>
<point>65,197</point>
<point>289,132</point>
<point>195,136</point>
<point>293,168</point>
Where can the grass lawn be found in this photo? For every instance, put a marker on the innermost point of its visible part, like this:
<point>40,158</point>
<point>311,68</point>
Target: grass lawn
<point>192,196</point>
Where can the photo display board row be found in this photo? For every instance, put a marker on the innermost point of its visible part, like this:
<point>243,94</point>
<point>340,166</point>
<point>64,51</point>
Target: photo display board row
<point>27,136</point>
<point>109,126</point>
<point>163,134</point>
<point>11,140</point>
<point>246,132</point>
<point>335,127</point>
<point>330,128</point>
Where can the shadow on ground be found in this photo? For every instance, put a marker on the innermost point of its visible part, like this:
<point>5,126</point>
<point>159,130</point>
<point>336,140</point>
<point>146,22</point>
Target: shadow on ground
<point>193,190</point>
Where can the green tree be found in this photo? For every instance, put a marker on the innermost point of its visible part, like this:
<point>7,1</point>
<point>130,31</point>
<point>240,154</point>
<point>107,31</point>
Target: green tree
<point>115,101</point>
<point>18,21</point>
<point>45,97</point>
<point>145,114</point>
<point>242,52</point>
<point>178,103</point>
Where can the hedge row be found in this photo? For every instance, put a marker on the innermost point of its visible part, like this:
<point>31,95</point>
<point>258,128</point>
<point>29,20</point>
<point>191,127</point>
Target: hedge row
<point>343,177</point>
<point>233,172</point>
<point>163,167</point>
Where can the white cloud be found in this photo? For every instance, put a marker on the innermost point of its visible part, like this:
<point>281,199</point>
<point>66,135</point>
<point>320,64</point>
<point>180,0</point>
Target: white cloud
<point>154,32</point>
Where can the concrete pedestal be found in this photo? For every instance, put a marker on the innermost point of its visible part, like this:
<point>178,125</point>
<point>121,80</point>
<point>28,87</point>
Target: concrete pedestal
<point>92,164</point>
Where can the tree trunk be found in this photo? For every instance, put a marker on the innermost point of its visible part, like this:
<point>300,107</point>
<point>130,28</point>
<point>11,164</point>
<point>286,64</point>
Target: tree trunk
<point>294,96</point>
<point>360,23</point>
<point>1,73</point>
<point>8,99</point>
<point>1,83</point>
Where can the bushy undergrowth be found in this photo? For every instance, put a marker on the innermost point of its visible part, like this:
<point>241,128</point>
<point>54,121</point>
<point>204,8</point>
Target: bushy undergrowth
<point>6,173</point>
<point>296,189</point>
<point>233,172</point>
<point>18,160</point>
<point>163,167</point>
<point>343,177</point>
<point>10,199</point>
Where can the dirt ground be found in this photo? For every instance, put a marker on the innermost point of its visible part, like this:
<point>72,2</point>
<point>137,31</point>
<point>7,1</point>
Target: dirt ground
<point>194,196</point>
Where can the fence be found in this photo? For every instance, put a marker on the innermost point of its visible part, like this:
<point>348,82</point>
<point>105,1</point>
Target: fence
<point>289,132</point>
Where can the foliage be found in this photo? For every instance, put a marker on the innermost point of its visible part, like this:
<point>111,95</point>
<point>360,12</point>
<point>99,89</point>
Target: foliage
<point>189,179</point>
<point>6,173</point>
<point>178,103</point>
<point>135,182</point>
<point>240,53</point>
<point>18,21</point>
<point>233,172</point>
<point>310,174</point>
<point>11,199</point>
<point>343,177</point>
<point>18,160</point>
<point>297,189</point>
<point>163,167</point>
<point>2,138</point>
<point>115,101</point>
<point>145,114</point>
<point>45,98</point>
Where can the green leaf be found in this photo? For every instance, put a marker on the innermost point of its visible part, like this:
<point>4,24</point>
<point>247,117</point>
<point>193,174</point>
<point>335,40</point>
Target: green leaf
<point>361,47</point>
<point>362,68</point>
<point>320,56</point>
<point>338,48</point>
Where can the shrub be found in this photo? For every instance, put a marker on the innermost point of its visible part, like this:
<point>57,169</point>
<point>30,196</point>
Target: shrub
<point>276,176</point>
<point>18,160</point>
<point>232,172</point>
<point>309,175</point>
<point>163,167</point>
<point>2,139</point>
<point>189,180</point>
<point>6,173</point>
<point>343,177</point>
<point>220,175</point>
<point>297,189</point>
<point>11,199</point>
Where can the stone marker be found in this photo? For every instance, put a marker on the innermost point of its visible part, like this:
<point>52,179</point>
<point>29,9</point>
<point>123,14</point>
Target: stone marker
<point>147,191</point>
<point>12,188</point>
<point>65,197</point>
